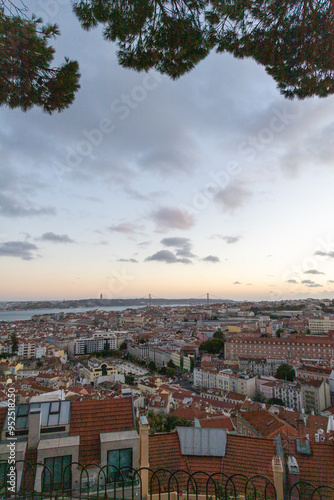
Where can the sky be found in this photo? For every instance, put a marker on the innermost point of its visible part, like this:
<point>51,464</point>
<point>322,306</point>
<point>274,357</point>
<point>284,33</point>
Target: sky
<point>213,183</point>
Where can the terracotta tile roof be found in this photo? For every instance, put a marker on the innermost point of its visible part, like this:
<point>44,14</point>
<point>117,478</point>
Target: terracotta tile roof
<point>244,455</point>
<point>266,423</point>
<point>189,413</point>
<point>91,417</point>
<point>316,468</point>
<point>219,422</point>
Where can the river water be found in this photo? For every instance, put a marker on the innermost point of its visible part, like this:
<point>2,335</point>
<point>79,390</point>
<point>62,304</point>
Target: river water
<point>28,314</point>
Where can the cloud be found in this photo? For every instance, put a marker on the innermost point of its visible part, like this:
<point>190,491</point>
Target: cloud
<point>125,228</point>
<point>211,258</point>
<point>291,281</point>
<point>127,260</point>
<point>56,238</point>
<point>311,284</point>
<point>168,257</point>
<point>313,271</point>
<point>232,197</point>
<point>11,208</point>
<point>21,249</point>
<point>172,218</point>
<point>324,254</point>
<point>330,281</point>
<point>237,283</point>
<point>231,239</point>
<point>182,246</point>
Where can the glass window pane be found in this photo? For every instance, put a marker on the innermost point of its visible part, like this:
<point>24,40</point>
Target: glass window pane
<point>54,407</point>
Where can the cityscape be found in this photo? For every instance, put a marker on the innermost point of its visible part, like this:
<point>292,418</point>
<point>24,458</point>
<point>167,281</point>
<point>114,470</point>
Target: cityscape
<point>247,373</point>
<point>166,250</point>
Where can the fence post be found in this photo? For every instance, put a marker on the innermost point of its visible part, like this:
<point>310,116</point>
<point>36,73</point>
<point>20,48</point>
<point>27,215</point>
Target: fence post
<point>143,454</point>
<point>278,477</point>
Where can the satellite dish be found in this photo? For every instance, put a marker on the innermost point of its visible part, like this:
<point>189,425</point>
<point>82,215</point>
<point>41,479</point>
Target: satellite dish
<point>320,431</point>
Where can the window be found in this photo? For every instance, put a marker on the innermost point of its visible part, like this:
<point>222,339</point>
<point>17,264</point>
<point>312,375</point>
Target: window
<point>60,476</point>
<point>120,462</point>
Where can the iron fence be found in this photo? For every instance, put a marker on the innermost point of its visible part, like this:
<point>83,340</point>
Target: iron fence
<point>37,481</point>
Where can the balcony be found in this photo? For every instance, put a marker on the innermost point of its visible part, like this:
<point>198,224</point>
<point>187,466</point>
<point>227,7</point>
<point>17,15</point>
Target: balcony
<point>36,481</point>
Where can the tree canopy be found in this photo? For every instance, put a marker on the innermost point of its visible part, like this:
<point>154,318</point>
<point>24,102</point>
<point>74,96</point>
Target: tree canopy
<point>285,372</point>
<point>172,36</point>
<point>292,39</point>
<point>213,346</point>
<point>27,77</point>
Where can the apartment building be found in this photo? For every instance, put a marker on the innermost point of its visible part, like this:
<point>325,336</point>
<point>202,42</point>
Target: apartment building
<point>290,393</point>
<point>321,325</point>
<point>294,347</point>
<point>82,346</point>
<point>55,434</point>
<point>316,395</point>
<point>242,383</point>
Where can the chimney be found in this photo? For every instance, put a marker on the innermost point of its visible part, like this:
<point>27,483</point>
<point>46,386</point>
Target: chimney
<point>278,477</point>
<point>300,427</point>
<point>144,453</point>
<point>34,427</point>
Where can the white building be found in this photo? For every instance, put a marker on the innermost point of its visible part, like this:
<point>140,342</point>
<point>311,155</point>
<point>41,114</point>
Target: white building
<point>84,346</point>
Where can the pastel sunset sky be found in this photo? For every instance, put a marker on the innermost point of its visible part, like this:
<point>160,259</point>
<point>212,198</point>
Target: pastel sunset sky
<point>211,183</point>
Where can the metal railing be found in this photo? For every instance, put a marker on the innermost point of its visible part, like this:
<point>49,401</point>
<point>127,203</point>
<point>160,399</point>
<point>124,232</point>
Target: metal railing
<point>36,481</point>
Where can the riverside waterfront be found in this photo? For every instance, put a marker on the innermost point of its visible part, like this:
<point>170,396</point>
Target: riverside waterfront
<point>26,315</point>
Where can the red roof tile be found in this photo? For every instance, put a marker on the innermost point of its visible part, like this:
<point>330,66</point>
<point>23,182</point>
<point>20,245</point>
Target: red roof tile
<point>91,417</point>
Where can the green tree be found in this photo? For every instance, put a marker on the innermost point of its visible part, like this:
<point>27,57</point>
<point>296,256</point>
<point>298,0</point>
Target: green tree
<point>27,77</point>
<point>172,36</point>
<point>276,401</point>
<point>14,343</point>
<point>129,379</point>
<point>212,346</point>
<point>285,372</point>
<point>171,372</point>
<point>279,332</point>
<point>171,364</point>
<point>219,334</point>
<point>166,423</point>
<point>152,366</point>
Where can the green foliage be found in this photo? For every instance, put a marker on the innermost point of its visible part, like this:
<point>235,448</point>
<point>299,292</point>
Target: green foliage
<point>152,366</point>
<point>212,346</point>
<point>171,364</point>
<point>219,335</point>
<point>129,379</point>
<point>26,75</point>
<point>163,370</point>
<point>276,401</point>
<point>286,37</point>
<point>285,372</point>
<point>14,343</point>
<point>123,346</point>
<point>279,331</point>
<point>171,372</point>
<point>166,423</point>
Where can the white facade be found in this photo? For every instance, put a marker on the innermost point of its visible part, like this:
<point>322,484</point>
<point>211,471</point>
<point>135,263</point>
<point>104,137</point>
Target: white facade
<point>83,346</point>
